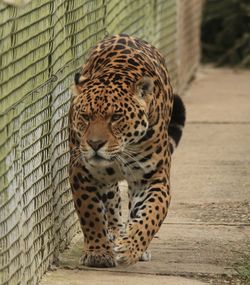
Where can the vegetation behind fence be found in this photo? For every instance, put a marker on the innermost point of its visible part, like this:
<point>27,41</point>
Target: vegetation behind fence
<point>226,32</point>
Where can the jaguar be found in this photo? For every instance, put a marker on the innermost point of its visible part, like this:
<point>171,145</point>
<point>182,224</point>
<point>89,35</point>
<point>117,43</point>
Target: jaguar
<point>124,124</point>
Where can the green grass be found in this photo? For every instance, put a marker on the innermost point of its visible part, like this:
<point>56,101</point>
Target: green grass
<point>244,271</point>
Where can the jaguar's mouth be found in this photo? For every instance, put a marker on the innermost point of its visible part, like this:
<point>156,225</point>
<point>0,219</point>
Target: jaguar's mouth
<point>99,158</point>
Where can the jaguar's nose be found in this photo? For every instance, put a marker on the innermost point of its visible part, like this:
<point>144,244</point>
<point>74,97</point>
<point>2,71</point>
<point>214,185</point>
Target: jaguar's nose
<point>96,144</point>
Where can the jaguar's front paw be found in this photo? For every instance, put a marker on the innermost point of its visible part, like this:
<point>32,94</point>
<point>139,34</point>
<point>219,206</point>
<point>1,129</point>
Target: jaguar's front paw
<point>97,259</point>
<point>126,252</point>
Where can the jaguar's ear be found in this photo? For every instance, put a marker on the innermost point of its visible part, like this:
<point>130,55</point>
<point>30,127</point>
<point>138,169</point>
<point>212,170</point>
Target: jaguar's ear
<point>79,81</point>
<point>144,86</point>
<point>77,78</point>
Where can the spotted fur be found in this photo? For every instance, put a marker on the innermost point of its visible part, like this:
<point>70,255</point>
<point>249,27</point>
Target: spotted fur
<point>119,125</point>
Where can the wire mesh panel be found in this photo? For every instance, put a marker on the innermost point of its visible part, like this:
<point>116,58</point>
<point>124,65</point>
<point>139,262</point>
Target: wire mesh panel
<point>165,34</point>
<point>42,45</point>
<point>130,17</point>
<point>25,113</point>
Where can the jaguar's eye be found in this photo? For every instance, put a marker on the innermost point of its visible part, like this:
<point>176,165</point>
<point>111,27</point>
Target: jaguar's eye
<point>116,117</point>
<point>86,117</point>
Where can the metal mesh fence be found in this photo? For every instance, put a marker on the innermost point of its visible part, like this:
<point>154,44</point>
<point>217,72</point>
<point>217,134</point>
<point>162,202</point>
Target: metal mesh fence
<point>42,45</point>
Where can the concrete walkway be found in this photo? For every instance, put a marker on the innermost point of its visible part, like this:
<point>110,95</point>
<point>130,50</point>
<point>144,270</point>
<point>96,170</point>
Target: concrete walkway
<point>207,230</point>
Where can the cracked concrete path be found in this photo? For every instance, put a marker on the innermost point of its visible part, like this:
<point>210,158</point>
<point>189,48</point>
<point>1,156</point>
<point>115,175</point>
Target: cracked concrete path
<point>207,229</point>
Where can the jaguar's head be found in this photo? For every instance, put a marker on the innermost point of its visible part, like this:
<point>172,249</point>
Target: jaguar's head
<point>108,117</point>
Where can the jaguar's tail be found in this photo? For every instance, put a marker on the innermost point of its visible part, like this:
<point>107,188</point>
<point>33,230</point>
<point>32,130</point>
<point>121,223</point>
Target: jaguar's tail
<point>177,123</point>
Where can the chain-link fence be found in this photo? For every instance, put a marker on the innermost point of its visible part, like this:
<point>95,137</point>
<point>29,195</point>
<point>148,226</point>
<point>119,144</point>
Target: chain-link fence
<point>42,45</point>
